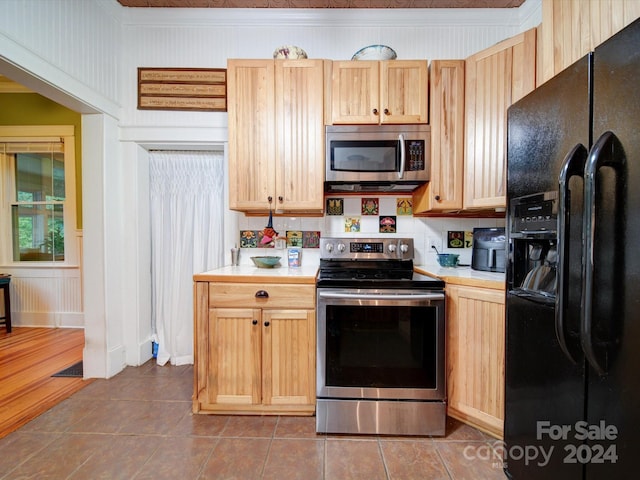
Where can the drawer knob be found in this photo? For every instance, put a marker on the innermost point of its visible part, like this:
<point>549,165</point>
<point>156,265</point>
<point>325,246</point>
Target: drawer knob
<point>266,324</point>
<point>254,322</point>
<point>262,294</point>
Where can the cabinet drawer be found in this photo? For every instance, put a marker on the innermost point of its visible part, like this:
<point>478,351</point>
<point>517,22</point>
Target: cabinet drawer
<point>235,295</point>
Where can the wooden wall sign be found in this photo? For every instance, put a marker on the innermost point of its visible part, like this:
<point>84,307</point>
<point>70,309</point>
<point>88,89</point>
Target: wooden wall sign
<point>202,89</point>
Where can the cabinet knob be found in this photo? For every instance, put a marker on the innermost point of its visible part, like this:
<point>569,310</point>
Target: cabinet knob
<point>262,294</point>
<point>386,111</point>
<point>281,199</point>
<point>437,197</point>
<point>270,199</point>
<point>266,324</point>
<point>375,111</point>
<point>254,322</point>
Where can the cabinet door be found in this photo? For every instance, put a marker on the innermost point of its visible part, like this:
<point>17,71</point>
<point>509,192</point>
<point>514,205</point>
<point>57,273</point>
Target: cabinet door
<point>288,374</point>
<point>355,87</point>
<point>495,78</point>
<point>234,368</point>
<point>573,29</point>
<point>404,90</point>
<point>475,356</point>
<point>444,191</point>
<point>251,106</point>
<point>299,158</point>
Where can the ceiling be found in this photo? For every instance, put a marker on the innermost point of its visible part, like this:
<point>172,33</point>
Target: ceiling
<point>323,3</point>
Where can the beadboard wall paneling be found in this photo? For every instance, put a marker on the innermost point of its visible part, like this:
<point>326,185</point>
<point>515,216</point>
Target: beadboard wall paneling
<point>92,48</point>
<point>179,38</point>
<point>73,44</point>
<point>47,298</point>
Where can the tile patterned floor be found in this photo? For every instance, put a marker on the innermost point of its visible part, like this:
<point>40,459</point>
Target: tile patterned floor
<point>138,425</point>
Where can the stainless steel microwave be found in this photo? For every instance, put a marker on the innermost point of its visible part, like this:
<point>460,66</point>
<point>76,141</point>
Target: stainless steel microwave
<point>377,157</point>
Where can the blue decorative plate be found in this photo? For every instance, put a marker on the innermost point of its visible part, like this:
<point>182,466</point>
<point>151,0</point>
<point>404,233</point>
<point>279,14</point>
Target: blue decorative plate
<point>375,52</point>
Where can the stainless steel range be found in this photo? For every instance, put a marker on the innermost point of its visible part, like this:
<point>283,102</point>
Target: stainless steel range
<point>380,346</point>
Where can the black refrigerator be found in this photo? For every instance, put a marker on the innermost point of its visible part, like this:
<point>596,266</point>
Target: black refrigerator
<point>572,374</point>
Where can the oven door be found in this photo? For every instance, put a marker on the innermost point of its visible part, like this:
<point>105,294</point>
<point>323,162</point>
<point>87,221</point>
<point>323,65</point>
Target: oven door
<point>380,344</point>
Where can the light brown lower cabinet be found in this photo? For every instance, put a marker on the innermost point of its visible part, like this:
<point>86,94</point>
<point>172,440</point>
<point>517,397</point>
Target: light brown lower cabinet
<point>255,349</point>
<point>475,356</point>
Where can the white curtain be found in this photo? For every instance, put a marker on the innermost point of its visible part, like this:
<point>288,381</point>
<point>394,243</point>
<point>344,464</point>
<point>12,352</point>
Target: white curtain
<point>187,220</point>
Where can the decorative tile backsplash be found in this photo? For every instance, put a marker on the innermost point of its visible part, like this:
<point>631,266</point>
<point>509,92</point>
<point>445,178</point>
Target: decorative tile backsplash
<point>354,216</point>
<point>294,238</point>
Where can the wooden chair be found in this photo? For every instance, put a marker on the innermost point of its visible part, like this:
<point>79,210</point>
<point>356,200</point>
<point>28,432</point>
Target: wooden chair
<point>4,284</point>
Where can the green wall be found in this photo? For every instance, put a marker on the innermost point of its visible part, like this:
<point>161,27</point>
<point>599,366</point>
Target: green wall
<point>34,109</point>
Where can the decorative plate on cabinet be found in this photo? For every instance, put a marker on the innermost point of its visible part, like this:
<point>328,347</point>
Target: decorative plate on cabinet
<point>375,52</point>
<point>289,51</point>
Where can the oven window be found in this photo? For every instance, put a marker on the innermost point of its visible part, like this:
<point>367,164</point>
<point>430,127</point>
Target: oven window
<point>381,347</point>
<point>365,156</point>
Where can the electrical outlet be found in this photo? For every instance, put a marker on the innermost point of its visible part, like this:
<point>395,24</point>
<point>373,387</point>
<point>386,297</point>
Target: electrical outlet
<point>435,242</point>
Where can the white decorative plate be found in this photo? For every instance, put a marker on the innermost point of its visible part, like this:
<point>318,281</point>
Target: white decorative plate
<point>375,52</point>
<point>289,51</point>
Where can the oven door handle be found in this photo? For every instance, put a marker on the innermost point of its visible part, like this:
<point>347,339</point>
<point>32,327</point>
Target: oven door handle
<point>383,296</point>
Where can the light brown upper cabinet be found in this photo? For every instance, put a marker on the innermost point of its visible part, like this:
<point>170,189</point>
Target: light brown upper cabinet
<point>572,29</point>
<point>374,92</point>
<point>495,78</point>
<point>444,191</point>
<point>276,135</point>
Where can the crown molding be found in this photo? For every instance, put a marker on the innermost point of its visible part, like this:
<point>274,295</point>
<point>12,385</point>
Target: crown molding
<point>225,17</point>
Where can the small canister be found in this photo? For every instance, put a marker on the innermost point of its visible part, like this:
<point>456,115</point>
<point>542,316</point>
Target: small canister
<point>294,256</point>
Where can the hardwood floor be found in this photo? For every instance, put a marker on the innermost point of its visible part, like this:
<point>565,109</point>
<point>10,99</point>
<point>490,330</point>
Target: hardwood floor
<point>28,358</point>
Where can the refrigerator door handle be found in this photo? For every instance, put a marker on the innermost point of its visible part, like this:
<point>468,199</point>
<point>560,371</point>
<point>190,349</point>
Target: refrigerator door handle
<point>572,165</point>
<point>607,151</point>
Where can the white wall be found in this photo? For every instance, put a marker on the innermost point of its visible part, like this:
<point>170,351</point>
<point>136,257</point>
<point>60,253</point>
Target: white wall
<point>84,54</point>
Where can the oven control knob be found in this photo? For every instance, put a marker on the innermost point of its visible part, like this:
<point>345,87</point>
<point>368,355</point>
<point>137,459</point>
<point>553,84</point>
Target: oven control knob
<point>404,248</point>
<point>341,247</point>
<point>329,247</point>
<point>392,247</point>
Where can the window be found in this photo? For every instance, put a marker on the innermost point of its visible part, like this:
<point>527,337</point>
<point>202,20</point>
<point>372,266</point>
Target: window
<point>38,206</point>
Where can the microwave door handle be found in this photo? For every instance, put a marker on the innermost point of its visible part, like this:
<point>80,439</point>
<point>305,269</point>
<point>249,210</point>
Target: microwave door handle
<point>402,156</point>
<point>573,165</point>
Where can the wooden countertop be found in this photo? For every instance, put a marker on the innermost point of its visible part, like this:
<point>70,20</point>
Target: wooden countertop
<point>464,276</point>
<point>306,274</point>
<point>252,274</point>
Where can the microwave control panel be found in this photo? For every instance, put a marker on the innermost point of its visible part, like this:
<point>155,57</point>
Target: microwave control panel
<point>414,151</point>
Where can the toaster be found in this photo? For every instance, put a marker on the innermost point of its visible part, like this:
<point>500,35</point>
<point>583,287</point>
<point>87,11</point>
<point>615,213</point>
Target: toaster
<point>489,252</point>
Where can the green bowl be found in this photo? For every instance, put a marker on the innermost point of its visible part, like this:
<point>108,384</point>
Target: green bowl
<point>448,259</point>
<point>266,262</point>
